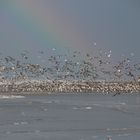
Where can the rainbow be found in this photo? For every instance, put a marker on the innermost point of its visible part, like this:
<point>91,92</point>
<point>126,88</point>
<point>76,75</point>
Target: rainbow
<point>44,25</point>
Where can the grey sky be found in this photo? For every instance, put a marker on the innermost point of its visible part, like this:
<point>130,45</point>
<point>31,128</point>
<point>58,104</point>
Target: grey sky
<point>113,24</point>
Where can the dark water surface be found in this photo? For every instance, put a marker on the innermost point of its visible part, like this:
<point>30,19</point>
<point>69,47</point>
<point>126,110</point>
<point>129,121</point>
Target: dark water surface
<point>70,117</point>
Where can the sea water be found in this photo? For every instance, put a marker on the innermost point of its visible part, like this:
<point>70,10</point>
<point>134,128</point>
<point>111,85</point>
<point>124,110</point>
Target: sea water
<point>70,117</point>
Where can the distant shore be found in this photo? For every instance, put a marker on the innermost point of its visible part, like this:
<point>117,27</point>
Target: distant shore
<point>54,87</point>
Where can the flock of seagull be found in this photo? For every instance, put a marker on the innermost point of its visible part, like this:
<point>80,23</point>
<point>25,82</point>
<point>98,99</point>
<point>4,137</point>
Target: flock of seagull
<point>71,67</point>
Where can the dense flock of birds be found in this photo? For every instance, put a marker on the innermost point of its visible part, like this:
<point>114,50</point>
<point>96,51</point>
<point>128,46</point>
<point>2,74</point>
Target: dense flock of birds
<point>71,72</point>
<point>71,66</point>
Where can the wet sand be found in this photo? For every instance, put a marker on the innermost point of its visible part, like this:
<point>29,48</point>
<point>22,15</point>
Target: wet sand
<point>70,117</point>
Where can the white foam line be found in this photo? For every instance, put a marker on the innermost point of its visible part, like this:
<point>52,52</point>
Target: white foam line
<point>24,123</point>
<point>96,104</point>
<point>88,107</point>
<point>16,123</point>
<point>20,123</point>
<point>123,103</point>
<point>124,135</point>
<point>75,108</point>
<point>11,97</point>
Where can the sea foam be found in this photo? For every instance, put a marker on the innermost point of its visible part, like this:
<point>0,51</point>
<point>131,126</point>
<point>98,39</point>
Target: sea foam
<point>11,97</point>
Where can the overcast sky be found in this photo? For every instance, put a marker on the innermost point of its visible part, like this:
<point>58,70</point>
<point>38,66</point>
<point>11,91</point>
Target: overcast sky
<point>112,24</point>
